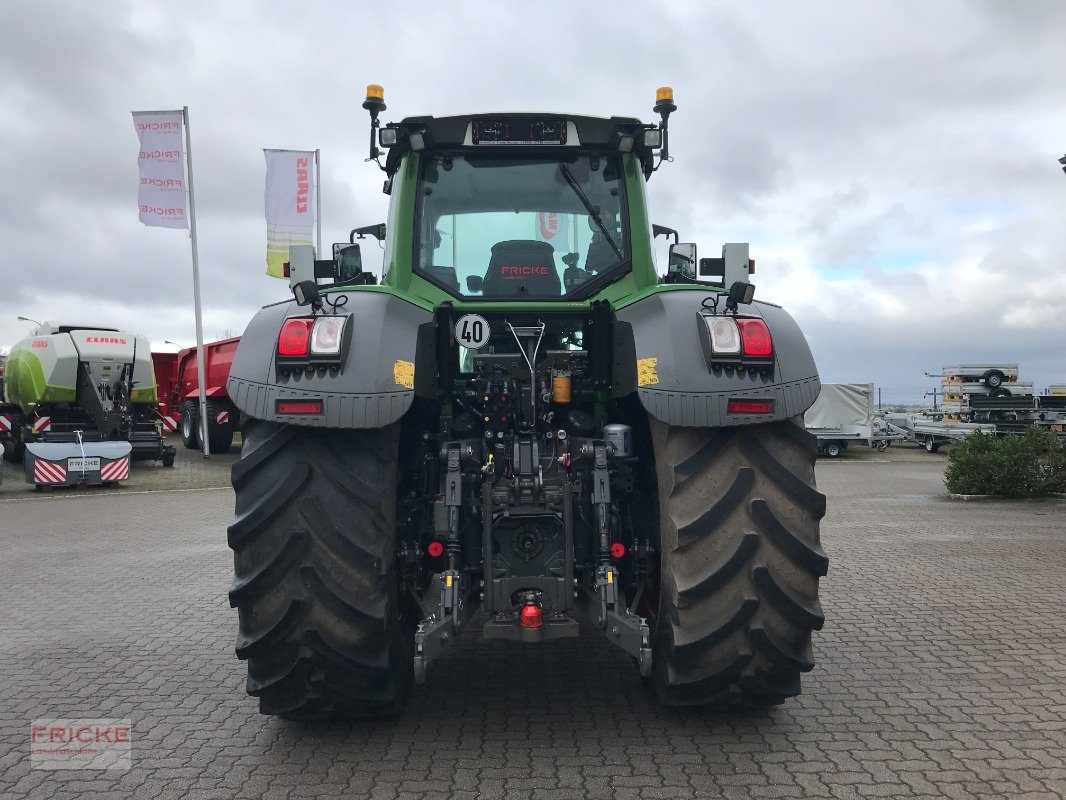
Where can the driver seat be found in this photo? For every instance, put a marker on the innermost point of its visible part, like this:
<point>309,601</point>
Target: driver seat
<point>522,266</point>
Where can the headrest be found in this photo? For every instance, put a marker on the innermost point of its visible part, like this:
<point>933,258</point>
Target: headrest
<point>522,266</point>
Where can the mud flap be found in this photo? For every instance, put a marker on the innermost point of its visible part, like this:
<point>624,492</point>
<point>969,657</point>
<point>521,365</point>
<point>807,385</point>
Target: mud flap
<point>73,463</point>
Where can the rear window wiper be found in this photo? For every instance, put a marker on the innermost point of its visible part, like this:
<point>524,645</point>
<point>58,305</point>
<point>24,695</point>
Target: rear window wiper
<point>590,209</point>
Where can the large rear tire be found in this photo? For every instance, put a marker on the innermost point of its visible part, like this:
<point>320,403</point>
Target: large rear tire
<point>740,563</point>
<point>322,624</point>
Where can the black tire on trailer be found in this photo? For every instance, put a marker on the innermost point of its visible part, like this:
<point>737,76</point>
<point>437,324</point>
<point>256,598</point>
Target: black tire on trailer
<point>16,453</point>
<point>740,562</point>
<point>1000,392</point>
<point>190,425</point>
<point>993,378</point>
<point>220,434</point>
<point>931,445</point>
<point>323,625</point>
<point>833,449</point>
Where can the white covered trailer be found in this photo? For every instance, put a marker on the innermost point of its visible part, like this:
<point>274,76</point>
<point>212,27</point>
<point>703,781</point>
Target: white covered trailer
<point>842,415</point>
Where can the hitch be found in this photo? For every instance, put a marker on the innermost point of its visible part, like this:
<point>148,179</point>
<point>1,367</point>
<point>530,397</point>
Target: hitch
<point>622,626</point>
<point>441,627</point>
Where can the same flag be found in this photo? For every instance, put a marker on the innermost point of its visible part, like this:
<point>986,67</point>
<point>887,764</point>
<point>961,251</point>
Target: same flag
<point>290,206</point>
<point>161,194</point>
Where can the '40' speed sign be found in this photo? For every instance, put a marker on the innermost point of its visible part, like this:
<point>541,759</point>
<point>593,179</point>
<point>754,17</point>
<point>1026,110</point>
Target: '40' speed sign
<point>472,331</point>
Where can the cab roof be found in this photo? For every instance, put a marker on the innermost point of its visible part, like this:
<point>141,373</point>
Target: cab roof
<point>454,132</point>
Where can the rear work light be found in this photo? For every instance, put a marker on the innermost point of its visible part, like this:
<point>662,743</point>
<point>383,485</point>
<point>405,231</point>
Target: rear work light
<point>293,341</point>
<point>313,407</point>
<point>751,406</point>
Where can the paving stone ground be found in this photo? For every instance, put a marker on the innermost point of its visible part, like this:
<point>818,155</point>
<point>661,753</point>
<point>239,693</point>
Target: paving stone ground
<point>941,669</point>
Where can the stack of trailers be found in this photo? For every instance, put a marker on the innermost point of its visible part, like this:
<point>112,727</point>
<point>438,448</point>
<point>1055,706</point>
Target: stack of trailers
<point>1013,414</point>
<point>842,415</point>
<point>959,383</point>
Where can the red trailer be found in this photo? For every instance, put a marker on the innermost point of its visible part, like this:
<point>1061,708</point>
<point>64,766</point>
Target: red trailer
<point>180,394</point>
<point>164,366</point>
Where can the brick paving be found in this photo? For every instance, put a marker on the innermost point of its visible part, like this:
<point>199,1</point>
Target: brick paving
<point>941,670</point>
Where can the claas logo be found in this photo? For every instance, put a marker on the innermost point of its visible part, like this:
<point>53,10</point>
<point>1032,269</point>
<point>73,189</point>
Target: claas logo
<point>103,340</point>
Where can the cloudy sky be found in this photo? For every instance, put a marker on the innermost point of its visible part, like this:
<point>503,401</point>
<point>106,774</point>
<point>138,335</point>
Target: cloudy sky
<point>892,164</point>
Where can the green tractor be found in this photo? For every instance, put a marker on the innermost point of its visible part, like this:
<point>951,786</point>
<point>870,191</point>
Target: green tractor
<point>522,425</point>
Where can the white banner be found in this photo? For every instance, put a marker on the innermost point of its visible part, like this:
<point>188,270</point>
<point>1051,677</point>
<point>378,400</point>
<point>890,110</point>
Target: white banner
<point>161,196</point>
<point>290,204</point>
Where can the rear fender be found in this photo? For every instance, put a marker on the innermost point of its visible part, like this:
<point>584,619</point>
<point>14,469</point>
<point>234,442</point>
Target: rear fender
<point>375,385</point>
<point>675,384</point>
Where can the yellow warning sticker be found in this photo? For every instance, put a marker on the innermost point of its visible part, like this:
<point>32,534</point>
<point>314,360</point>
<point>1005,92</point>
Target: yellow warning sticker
<point>403,372</point>
<point>610,576</point>
<point>646,371</point>
<point>448,581</point>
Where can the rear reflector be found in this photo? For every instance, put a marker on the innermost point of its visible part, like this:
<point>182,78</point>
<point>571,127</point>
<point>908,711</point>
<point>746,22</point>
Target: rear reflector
<point>294,336</point>
<point>298,407</point>
<point>756,338</point>
<point>751,406</point>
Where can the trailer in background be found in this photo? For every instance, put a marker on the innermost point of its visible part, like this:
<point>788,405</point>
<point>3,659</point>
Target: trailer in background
<point>844,415</point>
<point>1015,414</point>
<point>932,433</point>
<point>182,394</point>
<point>163,364</point>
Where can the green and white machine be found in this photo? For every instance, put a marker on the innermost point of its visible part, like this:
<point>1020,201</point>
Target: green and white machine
<point>526,419</point>
<point>80,403</point>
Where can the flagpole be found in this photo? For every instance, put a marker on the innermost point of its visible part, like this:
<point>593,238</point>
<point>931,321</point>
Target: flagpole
<point>318,203</point>
<point>196,290</point>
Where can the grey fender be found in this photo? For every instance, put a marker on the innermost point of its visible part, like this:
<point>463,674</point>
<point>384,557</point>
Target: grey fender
<point>374,386</point>
<point>675,383</point>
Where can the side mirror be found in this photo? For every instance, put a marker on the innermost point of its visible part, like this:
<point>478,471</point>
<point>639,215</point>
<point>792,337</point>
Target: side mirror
<point>474,283</point>
<point>349,262</point>
<point>682,260</point>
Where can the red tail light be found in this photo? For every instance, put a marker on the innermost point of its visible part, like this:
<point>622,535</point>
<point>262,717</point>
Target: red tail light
<point>756,338</point>
<point>618,550</point>
<point>294,337</point>
<point>435,549</point>
<point>751,406</point>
